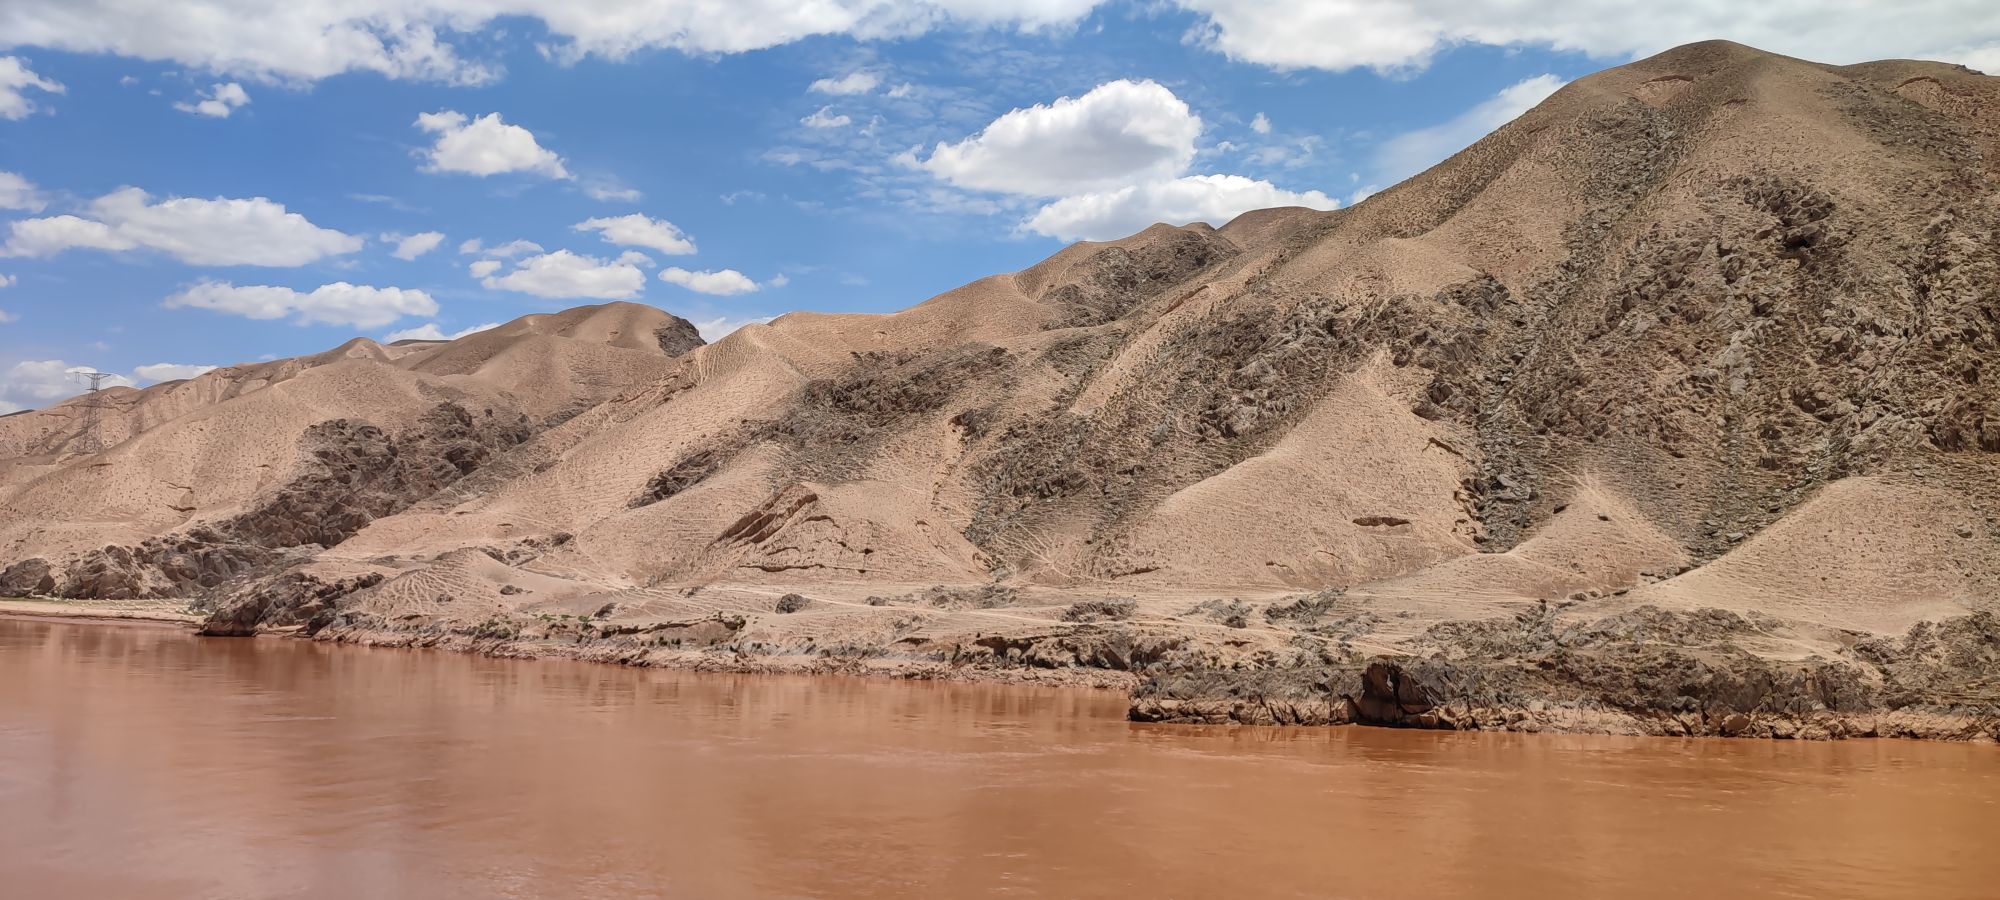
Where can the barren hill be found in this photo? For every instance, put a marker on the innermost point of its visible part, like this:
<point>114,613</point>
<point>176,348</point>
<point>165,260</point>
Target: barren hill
<point>1680,386</point>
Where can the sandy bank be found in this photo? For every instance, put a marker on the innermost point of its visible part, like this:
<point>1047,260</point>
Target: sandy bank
<point>174,612</point>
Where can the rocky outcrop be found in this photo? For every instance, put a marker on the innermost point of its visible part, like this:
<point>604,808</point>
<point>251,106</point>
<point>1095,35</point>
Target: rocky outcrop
<point>291,598</point>
<point>355,473</point>
<point>29,577</point>
<point>1646,672</point>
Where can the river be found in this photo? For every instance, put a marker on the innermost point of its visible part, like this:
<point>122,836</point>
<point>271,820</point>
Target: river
<point>141,761</point>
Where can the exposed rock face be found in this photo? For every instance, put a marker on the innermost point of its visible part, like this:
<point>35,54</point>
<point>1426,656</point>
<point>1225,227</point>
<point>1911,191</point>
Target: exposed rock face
<point>1649,671</point>
<point>677,336</point>
<point>292,598</point>
<point>355,474</point>
<point>359,474</point>
<point>26,578</point>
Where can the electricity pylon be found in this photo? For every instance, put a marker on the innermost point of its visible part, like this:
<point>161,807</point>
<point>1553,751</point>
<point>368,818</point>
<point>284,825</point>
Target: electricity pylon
<point>90,441</point>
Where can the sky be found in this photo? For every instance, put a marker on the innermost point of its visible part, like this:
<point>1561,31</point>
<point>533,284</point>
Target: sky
<point>195,183</point>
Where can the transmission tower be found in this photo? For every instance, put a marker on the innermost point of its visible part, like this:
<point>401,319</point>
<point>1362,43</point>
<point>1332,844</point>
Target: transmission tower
<point>90,441</point>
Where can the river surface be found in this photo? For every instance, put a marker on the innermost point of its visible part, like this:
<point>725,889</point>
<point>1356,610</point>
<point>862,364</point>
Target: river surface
<point>144,762</point>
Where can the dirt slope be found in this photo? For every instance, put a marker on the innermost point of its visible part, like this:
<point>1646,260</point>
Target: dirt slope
<point>1706,338</point>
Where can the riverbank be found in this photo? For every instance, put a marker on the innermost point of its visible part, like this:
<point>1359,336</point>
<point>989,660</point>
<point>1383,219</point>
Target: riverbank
<point>1638,672</point>
<point>171,612</point>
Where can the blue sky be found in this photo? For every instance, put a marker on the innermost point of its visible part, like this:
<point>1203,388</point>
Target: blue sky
<point>197,183</point>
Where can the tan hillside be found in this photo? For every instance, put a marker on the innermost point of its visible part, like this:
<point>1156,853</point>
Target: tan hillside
<point>1709,334</point>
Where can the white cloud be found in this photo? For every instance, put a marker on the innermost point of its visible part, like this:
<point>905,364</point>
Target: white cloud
<point>314,39</point>
<point>339,303</point>
<point>7,280</point>
<point>1118,133</point>
<point>637,230</point>
<point>7,318</point>
<point>429,331</point>
<point>902,90</point>
<point>719,327</point>
<point>158,372</point>
<point>1406,154</point>
<point>415,245</point>
<point>721,282</point>
<point>473,246</point>
<point>486,146</point>
<point>564,275</point>
<point>635,258</point>
<point>222,99</point>
<point>15,77</point>
<point>218,232</point>
<point>19,193</point>
<point>36,383</point>
<point>611,191</point>
<point>1214,199</point>
<point>484,267</point>
<point>859,81</point>
<point>1115,160</point>
<point>1393,35</point>
<point>824,118</point>
<point>1261,124</point>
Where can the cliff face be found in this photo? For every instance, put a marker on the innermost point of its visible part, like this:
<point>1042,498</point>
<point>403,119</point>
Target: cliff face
<point>1707,334</point>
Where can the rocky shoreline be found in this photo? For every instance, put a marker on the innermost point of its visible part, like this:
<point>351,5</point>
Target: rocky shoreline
<point>1433,695</point>
<point>1643,672</point>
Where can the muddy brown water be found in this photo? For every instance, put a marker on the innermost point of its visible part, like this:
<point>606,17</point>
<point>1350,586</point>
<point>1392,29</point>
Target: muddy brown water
<point>145,762</point>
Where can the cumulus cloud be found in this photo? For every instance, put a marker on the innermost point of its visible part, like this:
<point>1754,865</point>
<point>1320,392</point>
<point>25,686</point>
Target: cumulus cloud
<point>485,146</point>
<point>1411,152</point>
<point>339,303</point>
<point>414,245</point>
<point>484,267</point>
<point>716,329</point>
<point>429,331</point>
<point>859,81</point>
<point>15,79</point>
<point>19,193</point>
<point>1196,198</point>
<point>35,383</point>
<point>7,281</point>
<point>221,100</point>
<point>158,372</point>
<point>218,232</point>
<point>1402,35</point>
<point>721,282</point>
<point>1120,132</point>
<point>317,39</point>
<point>563,275</point>
<point>1261,124</point>
<point>1115,159</point>
<point>637,230</point>
<point>7,318</point>
<point>824,117</point>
